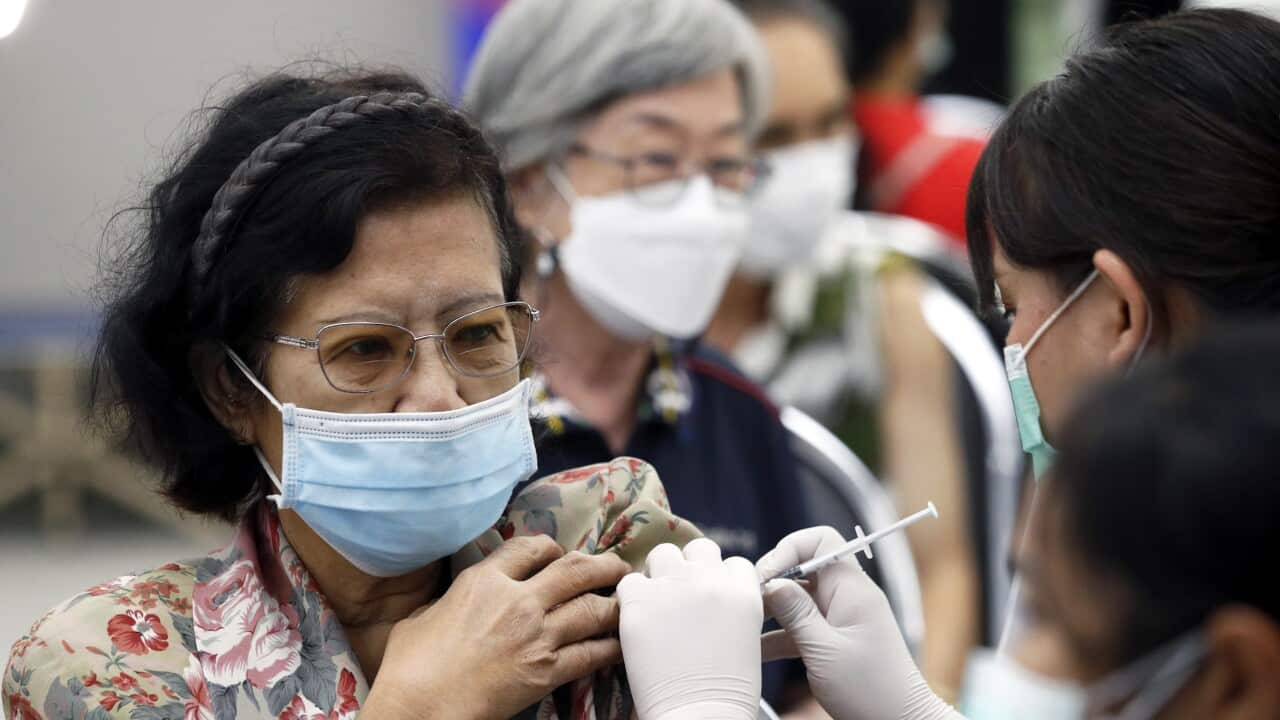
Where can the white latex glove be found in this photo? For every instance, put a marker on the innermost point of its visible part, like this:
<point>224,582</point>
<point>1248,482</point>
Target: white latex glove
<point>690,635</point>
<point>842,627</point>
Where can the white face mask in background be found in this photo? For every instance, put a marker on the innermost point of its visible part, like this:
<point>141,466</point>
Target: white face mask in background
<point>935,52</point>
<point>808,185</point>
<point>999,688</point>
<point>642,270</point>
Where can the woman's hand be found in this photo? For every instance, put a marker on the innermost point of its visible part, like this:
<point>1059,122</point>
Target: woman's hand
<point>510,629</point>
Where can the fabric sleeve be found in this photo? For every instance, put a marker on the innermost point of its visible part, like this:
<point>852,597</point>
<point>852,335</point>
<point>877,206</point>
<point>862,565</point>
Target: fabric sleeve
<point>619,507</point>
<point>56,680</point>
<point>115,651</point>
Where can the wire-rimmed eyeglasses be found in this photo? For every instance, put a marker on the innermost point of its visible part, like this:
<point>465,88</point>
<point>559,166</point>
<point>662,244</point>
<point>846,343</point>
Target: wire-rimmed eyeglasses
<point>365,357</point>
<point>659,179</point>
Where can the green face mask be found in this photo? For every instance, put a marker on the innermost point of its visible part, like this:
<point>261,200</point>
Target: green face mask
<point>1026,407</point>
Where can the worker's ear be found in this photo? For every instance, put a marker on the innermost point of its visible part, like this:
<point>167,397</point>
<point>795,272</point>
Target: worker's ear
<point>1128,321</point>
<point>1238,678</point>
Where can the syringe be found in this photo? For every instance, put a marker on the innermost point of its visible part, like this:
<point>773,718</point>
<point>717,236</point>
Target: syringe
<point>861,543</point>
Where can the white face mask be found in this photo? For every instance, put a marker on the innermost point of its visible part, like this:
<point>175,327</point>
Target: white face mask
<point>808,185</point>
<point>643,270</point>
<point>999,688</point>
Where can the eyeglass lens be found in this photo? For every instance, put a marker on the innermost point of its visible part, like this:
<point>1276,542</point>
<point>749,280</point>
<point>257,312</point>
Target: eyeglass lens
<point>365,357</point>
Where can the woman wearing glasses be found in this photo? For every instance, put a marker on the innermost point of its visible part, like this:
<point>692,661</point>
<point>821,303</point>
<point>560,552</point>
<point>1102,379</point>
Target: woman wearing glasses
<point>315,333</point>
<point>625,129</point>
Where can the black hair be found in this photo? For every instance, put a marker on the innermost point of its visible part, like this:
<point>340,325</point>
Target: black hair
<point>819,13</point>
<point>1161,144</point>
<point>326,151</point>
<point>875,27</point>
<point>1169,482</point>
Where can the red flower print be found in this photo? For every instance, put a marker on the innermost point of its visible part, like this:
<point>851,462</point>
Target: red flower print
<point>172,567</point>
<point>142,698</point>
<point>91,680</point>
<point>200,705</point>
<point>20,708</point>
<point>576,475</point>
<point>301,709</point>
<point>347,703</point>
<point>144,594</point>
<point>180,606</point>
<point>102,589</point>
<point>293,711</point>
<point>249,635</point>
<point>617,535</point>
<point>137,633</point>
<point>124,682</point>
<point>20,648</point>
<point>109,701</point>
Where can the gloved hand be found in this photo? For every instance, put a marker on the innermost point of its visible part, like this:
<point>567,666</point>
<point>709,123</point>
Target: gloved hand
<point>842,627</point>
<point>690,635</point>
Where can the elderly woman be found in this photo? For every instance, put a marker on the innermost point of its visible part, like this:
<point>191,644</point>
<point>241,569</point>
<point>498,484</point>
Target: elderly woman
<point>262,347</point>
<point>625,128</point>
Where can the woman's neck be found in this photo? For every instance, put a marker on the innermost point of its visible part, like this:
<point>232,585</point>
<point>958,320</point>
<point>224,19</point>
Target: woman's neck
<point>598,373</point>
<point>743,308</point>
<point>366,606</point>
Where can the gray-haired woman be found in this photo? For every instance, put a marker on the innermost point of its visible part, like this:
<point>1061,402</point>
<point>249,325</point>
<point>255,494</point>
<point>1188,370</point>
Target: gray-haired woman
<point>625,128</point>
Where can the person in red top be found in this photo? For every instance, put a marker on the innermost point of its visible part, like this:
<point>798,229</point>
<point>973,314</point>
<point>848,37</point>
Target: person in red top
<point>916,157</point>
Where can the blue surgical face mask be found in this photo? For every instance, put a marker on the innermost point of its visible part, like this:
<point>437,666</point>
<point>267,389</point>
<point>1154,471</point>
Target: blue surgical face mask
<point>394,492</point>
<point>998,688</point>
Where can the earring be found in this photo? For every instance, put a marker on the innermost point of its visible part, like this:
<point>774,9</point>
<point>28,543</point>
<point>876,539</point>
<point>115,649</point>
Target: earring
<point>548,259</point>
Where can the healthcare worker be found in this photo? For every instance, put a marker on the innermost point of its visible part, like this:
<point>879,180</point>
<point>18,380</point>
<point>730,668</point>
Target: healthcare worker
<point>1122,208</point>
<point>1142,606</point>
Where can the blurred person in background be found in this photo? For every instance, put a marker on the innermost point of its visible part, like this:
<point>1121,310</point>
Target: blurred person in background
<point>796,317</point>
<point>625,129</point>
<point>315,332</point>
<point>914,161</point>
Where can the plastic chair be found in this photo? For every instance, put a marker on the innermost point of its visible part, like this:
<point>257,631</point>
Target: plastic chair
<point>998,469</point>
<point>843,493</point>
<point>958,329</point>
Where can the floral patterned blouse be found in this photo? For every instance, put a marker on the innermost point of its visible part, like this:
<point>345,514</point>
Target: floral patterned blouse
<point>245,633</point>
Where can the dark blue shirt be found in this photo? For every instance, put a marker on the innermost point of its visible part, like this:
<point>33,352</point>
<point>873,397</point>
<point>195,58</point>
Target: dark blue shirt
<point>717,445</point>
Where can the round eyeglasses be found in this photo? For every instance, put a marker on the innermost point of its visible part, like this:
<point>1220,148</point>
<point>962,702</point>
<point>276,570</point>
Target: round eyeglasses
<point>659,179</point>
<point>365,357</point>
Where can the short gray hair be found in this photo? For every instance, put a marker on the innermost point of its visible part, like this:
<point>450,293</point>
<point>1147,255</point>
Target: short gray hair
<point>546,65</point>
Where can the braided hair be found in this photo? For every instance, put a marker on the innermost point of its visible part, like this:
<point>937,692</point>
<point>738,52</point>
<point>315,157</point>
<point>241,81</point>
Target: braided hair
<point>273,188</point>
